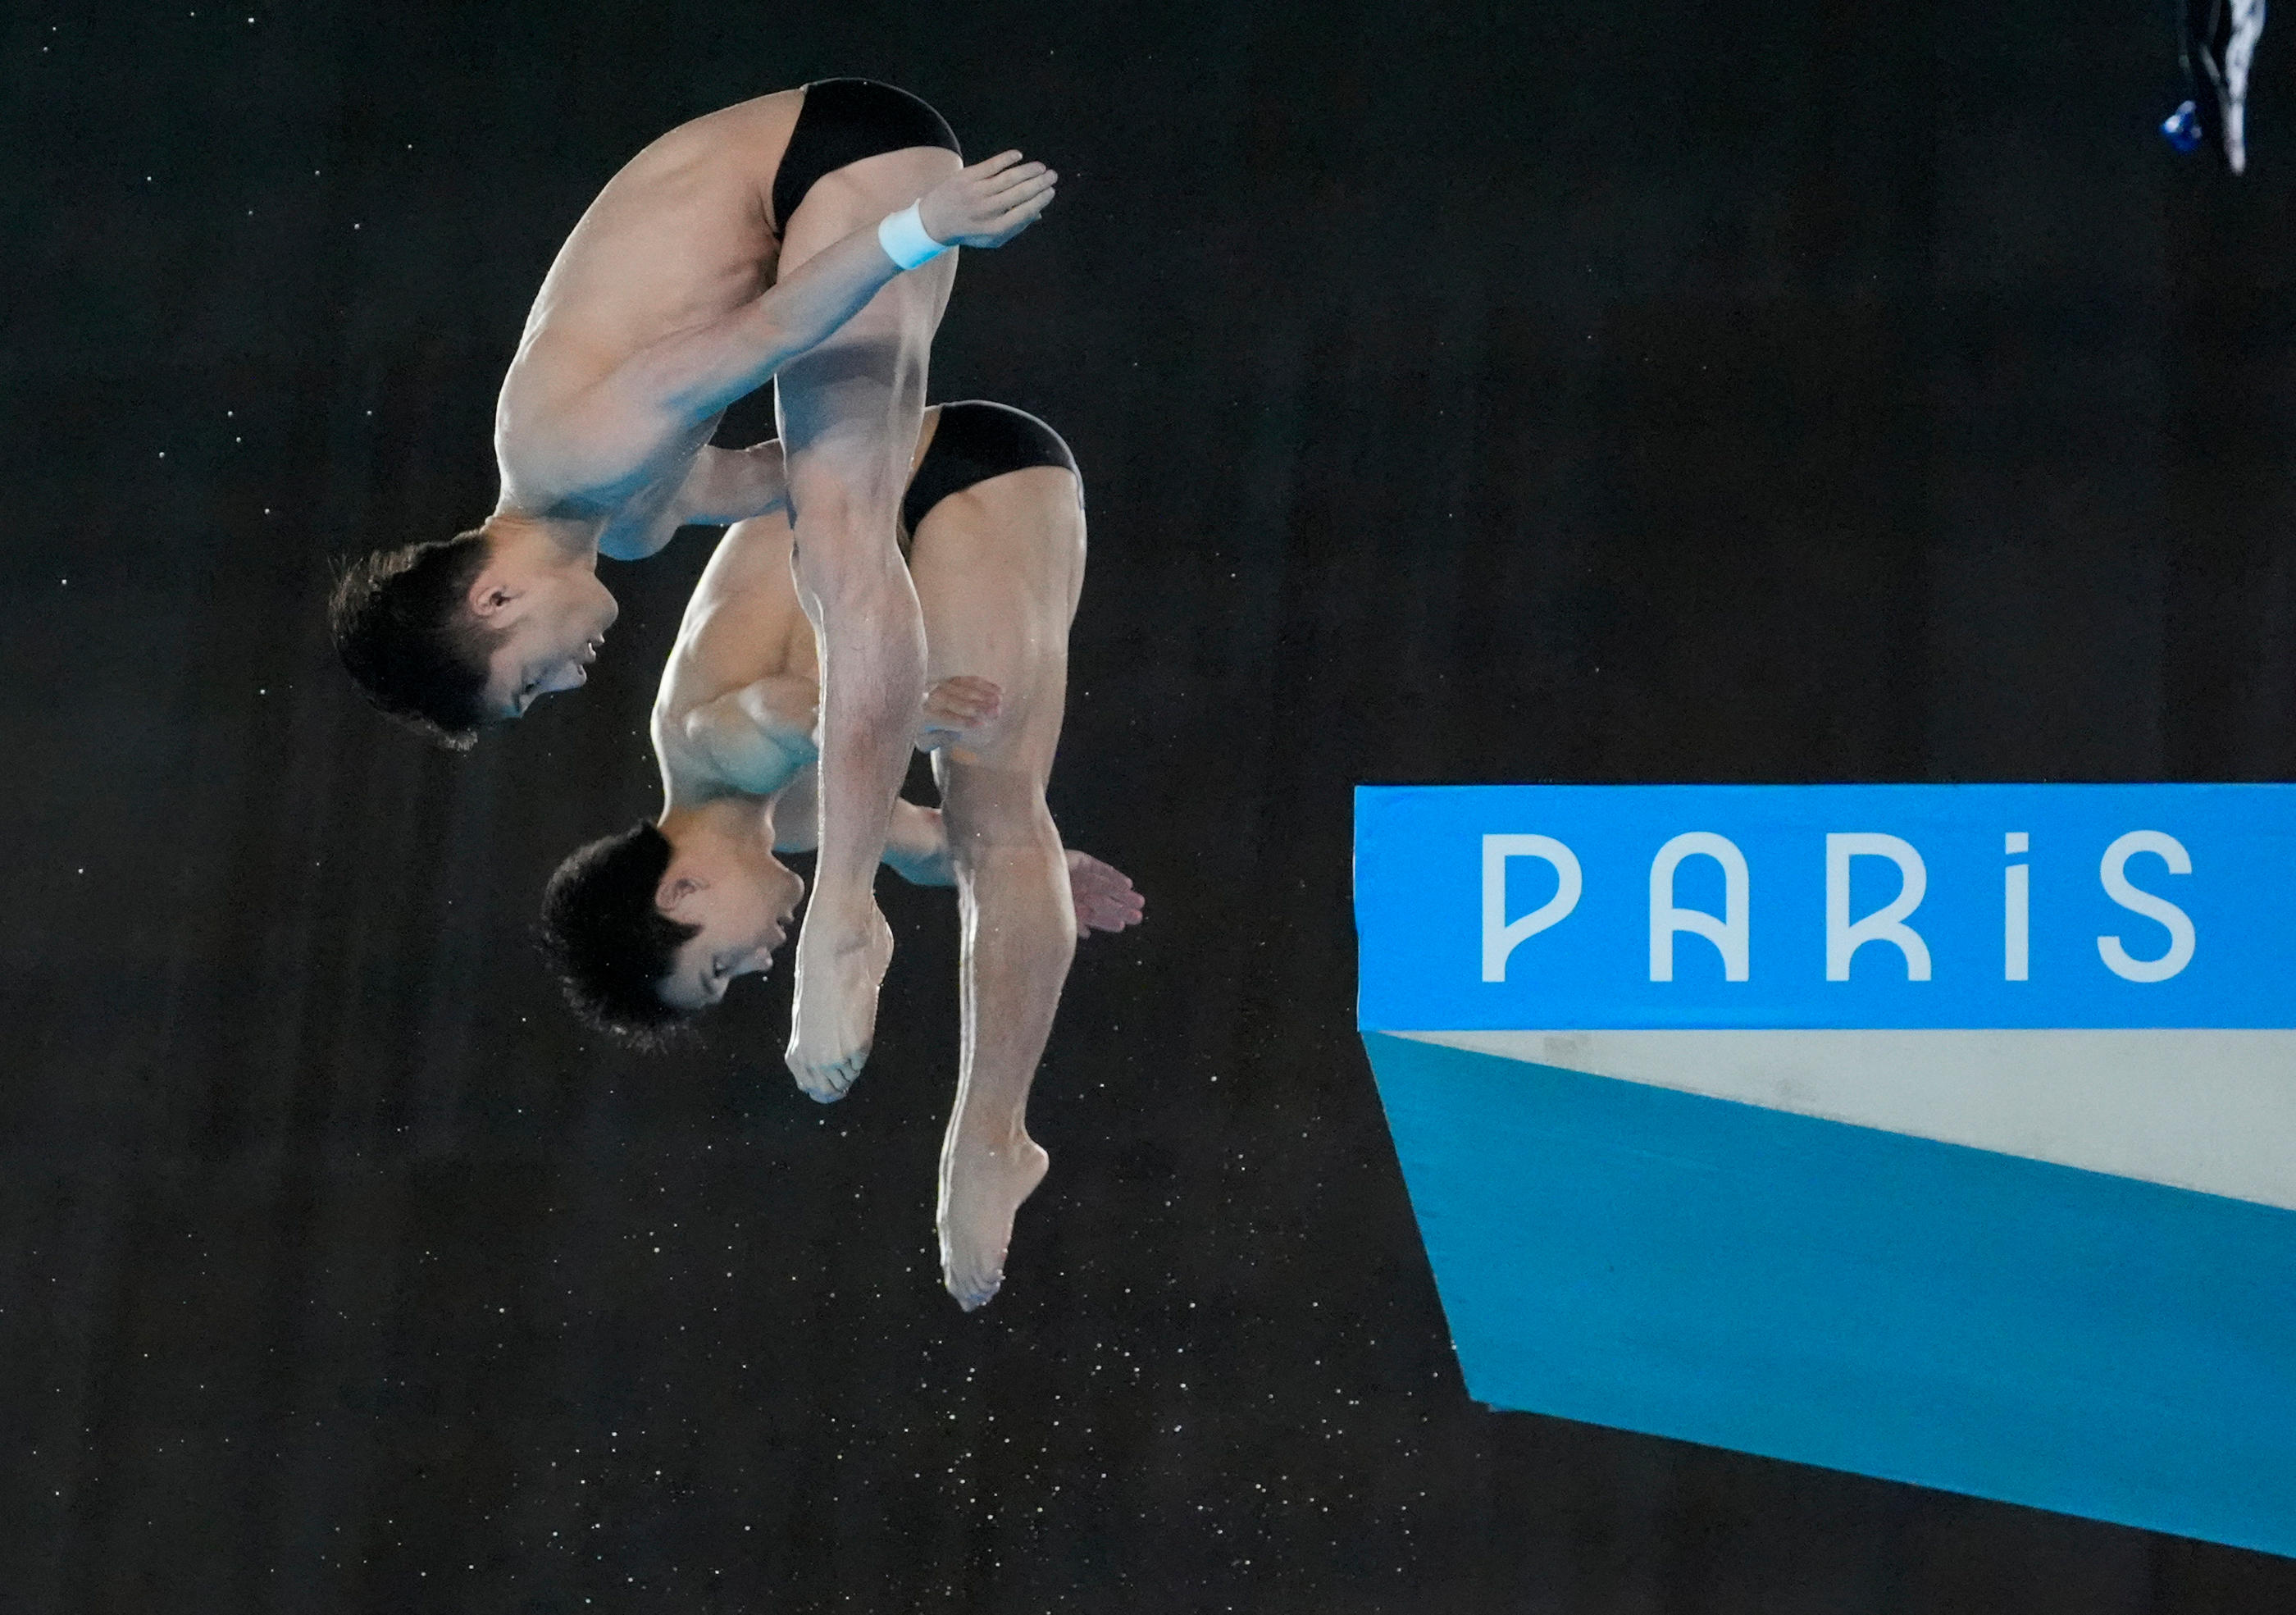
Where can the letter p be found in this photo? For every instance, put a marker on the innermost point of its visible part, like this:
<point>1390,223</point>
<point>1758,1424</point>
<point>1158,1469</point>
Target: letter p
<point>1501,937</point>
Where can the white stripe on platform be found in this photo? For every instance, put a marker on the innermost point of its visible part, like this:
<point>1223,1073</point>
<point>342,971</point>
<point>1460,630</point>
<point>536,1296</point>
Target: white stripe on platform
<point>2213,1111</point>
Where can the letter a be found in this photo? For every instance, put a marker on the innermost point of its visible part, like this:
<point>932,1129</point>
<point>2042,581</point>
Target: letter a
<point>1728,934</point>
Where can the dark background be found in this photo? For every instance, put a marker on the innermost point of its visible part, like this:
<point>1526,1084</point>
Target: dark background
<point>1677,390</point>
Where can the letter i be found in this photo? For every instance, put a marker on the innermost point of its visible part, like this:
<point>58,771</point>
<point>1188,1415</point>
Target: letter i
<point>2014,911</point>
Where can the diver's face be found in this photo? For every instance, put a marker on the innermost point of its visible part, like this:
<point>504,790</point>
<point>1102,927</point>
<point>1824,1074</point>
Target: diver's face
<point>551,624</point>
<point>744,912</point>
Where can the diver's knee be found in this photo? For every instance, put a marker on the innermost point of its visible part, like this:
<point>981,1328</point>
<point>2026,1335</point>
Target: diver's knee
<point>985,806</point>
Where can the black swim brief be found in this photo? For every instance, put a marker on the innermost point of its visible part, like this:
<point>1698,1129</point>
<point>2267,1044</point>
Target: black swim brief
<point>843,120</point>
<point>975,440</point>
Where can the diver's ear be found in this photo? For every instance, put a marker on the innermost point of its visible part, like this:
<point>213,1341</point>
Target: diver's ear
<point>490,591</point>
<point>676,888</point>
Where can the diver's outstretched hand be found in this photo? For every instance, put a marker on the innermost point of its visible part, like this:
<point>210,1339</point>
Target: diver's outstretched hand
<point>1104,897</point>
<point>988,204</point>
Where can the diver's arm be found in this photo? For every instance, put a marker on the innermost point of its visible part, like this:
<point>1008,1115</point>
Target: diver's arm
<point>758,738</point>
<point>916,847</point>
<point>722,486</point>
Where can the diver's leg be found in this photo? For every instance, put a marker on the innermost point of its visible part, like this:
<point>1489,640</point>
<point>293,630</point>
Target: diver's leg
<point>849,412</point>
<point>997,602</point>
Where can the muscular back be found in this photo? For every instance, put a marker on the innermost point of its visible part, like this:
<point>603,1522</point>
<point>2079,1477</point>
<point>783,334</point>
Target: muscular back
<point>681,236</point>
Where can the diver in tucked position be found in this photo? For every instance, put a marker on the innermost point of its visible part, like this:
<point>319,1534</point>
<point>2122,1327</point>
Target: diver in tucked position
<point>646,927</point>
<point>771,239</point>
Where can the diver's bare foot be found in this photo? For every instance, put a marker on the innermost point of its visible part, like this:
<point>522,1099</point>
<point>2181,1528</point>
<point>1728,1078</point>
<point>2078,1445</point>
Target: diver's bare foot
<point>980,1189</point>
<point>836,1015</point>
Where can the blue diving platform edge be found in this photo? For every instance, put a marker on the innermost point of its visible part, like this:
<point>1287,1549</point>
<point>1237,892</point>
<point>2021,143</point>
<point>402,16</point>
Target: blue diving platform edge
<point>1632,1253</point>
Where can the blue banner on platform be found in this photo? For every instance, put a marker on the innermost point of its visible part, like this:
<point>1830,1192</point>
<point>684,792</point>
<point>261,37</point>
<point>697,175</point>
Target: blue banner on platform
<point>1845,906</point>
<point>1935,1133</point>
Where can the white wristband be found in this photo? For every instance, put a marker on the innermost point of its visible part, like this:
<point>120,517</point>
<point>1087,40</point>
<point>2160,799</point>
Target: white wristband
<point>903,236</point>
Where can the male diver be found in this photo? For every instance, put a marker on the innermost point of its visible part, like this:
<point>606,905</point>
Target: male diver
<point>646,927</point>
<point>771,239</point>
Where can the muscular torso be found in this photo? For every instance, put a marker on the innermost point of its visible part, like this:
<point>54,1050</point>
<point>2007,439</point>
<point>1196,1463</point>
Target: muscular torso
<point>682,235</point>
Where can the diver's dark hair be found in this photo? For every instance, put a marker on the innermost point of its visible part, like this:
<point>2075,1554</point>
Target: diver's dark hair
<point>408,640</point>
<point>607,944</point>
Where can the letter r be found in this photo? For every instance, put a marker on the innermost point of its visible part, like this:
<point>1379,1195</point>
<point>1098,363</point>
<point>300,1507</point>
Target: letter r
<point>1885,924</point>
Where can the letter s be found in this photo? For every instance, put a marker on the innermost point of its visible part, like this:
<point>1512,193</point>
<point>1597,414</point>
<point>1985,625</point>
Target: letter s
<point>2115,872</point>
